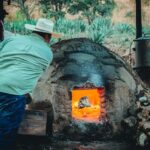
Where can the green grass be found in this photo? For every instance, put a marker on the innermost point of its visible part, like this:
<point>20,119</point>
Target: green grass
<point>100,30</point>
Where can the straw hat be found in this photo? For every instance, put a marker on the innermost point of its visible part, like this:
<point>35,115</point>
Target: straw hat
<point>43,25</point>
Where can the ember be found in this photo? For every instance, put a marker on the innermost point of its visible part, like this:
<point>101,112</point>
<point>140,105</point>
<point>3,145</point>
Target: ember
<point>86,104</point>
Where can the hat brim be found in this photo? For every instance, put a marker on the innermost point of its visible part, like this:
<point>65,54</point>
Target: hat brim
<point>33,28</point>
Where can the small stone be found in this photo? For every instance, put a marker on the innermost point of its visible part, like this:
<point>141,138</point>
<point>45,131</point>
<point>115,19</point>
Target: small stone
<point>130,121</point>
<point>145,114</point>
<point>146,125</point>
<point>147,108</point>
<point>145,103</point>
<point>142,139</point>
<point>148,133</point>
<point>141,93</point>
<point>143,99</point>
<point>132,110</point>
<point>138,104</point>
<point>139,115</point>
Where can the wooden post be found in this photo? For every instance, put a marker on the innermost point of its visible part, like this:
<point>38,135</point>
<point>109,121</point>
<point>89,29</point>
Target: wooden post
<point>1,20</point>
<point>138,19</point>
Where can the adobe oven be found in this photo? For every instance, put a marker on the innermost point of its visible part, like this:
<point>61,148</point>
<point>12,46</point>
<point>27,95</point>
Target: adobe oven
<point>90,90</point>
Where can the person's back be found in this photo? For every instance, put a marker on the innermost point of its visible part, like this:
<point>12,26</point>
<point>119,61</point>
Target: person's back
<point>22,60</point>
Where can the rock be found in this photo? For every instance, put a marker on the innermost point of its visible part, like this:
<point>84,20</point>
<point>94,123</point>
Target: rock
<point>133,110</point>
<point>139,115</point>
<point>145,103</point>
<point>146,113</point>
<point>130,121</point>
<point>147,108</point>
<point>147,125</point>
<point>143,115</point>
<point>143,99</point>
<point>148,133</point>
<point>142,140</point>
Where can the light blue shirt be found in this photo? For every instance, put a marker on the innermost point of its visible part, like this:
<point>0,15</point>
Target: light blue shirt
<point>22,61</point>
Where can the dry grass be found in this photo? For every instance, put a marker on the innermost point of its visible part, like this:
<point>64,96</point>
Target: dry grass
<point>123,8</point>
<point>124,12</point>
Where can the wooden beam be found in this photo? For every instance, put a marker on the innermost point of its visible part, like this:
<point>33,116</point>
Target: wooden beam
<point>138,19</point>
<point>34,123</point>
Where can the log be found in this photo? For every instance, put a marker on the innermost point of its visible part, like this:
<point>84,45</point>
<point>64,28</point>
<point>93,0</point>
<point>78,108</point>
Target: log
<point>34,123</point>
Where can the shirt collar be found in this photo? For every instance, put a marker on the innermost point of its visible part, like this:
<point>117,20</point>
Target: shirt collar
<point>38,36</point>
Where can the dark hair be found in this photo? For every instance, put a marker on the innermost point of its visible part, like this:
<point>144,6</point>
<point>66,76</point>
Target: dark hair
<point>42,34</point>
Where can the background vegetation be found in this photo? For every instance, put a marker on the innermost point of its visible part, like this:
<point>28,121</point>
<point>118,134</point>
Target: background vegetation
<point>94,20</point>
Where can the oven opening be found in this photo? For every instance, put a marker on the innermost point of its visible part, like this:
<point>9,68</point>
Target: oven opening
<point>86,104</point>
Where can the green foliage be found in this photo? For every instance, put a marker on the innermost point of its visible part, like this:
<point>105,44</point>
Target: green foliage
<point>146,2</point>
<point>54,8</point>
<point>146,31</point>
<point>18,26</point>
<point>100,29</point>
<point>67,27</point>
<point>106,7</point>
<point>24,9</point>
<point>129,14</point>
<point>124,28</point>
<point>45,5</point>
<point>55,14</point>
<point>19,15</point>
<point>92,9</point>
<point>123,35</point>
<point>89,8</point>
<point>70,28</point>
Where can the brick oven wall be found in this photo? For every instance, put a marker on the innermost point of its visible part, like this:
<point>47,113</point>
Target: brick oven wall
<point>115,75</point>
<point>62,107</point>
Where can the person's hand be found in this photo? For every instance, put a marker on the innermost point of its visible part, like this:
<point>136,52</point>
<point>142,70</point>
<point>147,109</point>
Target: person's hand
<point>28,98</point>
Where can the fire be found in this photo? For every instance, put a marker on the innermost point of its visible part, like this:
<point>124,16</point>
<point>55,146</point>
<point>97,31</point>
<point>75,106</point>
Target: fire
<point>86,104</point>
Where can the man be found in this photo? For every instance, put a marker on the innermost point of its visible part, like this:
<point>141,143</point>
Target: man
<point>22,61</point>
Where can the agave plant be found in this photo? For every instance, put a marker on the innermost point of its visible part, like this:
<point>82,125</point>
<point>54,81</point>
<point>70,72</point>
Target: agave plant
<point>146,31</point>
<point>100,29</point>
<point>124,28</point>
<point>69,27</point>
<point>18,26</point>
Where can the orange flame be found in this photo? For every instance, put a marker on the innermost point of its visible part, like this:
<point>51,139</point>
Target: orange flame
<point>86,104</point>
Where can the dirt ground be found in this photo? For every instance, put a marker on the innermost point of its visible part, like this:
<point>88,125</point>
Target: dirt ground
<point>49,144</point>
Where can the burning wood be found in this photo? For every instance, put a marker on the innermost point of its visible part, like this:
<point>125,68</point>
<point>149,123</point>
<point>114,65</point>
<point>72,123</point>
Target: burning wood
<point>84,102</point>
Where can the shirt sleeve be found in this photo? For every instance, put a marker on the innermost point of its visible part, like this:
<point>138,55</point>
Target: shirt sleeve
<point>2,45</point>
<point>4,42</point>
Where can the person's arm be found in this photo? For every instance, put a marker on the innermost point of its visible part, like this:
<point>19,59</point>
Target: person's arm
<point>2,45</point>
<point>4,42</point>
